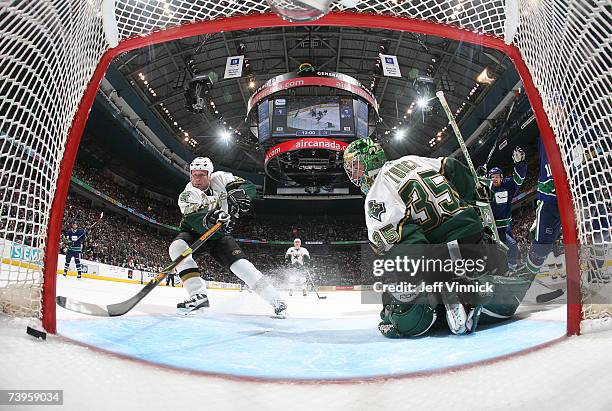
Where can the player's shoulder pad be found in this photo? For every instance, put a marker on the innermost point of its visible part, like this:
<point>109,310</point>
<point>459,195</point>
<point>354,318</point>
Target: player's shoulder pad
<point>221,176</point>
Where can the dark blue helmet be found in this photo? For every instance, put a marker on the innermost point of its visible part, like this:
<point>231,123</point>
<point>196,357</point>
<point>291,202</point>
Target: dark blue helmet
<point>496,170</point>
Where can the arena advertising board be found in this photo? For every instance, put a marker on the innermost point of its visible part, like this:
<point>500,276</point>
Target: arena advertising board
<point>305,144</point>
<point>312,78</point>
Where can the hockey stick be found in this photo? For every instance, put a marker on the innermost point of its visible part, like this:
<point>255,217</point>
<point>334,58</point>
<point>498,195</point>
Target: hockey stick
<point>91,226</point>
<point>115,310</point>
<point>97,221</point>
<point>546,297</point>
<point>314,287</point>
<point>488,220</point>
<point>501,130</point>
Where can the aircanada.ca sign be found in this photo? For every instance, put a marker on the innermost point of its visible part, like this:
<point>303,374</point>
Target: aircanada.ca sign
<point>305,144</point>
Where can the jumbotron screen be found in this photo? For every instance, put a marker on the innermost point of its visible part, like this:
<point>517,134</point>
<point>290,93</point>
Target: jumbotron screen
<point>313,117</point>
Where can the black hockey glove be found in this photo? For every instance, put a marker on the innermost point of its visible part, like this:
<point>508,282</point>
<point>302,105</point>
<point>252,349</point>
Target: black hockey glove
<point>219,216</point>
<point>238,203</point>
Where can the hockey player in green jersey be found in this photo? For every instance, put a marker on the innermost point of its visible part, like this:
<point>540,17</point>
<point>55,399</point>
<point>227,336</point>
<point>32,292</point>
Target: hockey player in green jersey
<point>421,208</point>
<point>212,197</point>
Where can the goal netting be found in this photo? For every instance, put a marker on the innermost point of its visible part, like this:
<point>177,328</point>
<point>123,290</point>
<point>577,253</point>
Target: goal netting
<point>52,52</point>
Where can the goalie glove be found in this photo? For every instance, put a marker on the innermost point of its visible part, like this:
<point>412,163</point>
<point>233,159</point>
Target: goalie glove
<point>219,216</point>
<point>483,192</point>
<point>481,172</point>
<point>518,155</point>
<point>238,202</point>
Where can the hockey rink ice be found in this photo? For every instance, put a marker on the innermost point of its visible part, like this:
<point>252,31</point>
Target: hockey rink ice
<point>328,352</point>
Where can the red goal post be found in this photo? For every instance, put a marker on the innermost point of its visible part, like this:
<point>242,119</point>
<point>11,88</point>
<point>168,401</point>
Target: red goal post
<point>54,56</point>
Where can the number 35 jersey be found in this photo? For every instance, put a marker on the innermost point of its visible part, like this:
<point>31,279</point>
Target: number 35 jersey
<point>419,200</point>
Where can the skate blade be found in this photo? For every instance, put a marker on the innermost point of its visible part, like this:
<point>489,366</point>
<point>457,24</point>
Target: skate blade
<point>201,311</point>
<point>193,313</point>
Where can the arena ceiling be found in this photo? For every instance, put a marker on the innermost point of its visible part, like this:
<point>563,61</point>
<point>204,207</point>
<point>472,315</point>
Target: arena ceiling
<point>167,67</point>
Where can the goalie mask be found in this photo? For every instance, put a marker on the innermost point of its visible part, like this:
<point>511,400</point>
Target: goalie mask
<point>363,159</point>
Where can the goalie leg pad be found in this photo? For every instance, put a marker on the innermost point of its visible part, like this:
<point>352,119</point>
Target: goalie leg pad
<point>509,292</point>
<point>400,320</point>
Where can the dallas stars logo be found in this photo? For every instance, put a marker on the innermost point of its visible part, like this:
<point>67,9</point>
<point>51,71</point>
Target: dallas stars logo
<point>376,210</point>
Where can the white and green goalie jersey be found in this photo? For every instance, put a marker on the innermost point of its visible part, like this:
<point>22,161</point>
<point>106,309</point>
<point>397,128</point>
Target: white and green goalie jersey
<point>419,200</point>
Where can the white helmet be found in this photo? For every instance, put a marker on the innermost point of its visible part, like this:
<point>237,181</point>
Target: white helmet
<point>297,240</point>
<point>202,163</point>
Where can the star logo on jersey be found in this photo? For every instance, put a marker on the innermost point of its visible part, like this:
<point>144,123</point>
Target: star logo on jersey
<point>376,210</point>
<point>184,197</point>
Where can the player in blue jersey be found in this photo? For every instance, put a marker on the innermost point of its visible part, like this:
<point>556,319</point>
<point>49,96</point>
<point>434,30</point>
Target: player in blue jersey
<point>548,223</point>
<point>503,191</point>
<point>75,237</point>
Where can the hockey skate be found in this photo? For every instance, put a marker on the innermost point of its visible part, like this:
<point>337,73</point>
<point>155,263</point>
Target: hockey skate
<point>192,304</point>
<point>280,309</point>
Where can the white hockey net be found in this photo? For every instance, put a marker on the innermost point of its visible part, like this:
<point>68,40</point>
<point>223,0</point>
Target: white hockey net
<point>50,49</point>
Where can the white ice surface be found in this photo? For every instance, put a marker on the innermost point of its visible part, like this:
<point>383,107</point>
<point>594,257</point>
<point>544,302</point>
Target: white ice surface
<point>575,373</point>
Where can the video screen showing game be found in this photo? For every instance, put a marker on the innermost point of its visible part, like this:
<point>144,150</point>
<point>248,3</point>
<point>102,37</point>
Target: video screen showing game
<point>313,117</point>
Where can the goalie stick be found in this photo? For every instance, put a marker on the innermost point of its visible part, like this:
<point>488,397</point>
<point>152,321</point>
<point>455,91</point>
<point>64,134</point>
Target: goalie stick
<point>115,310</point>
<point>488,220</point>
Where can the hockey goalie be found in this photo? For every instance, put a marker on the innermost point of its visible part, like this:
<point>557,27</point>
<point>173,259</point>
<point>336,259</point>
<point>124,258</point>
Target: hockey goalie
<point>419,212</point>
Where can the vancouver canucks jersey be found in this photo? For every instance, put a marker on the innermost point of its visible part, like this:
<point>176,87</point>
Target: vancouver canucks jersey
<point>418,200</point>
<point>195,203</point>
<point>75,239</point>
<point>501,197</point>
<point>546,186</point>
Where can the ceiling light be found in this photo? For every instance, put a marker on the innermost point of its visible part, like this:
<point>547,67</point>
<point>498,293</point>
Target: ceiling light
<point>422,102</point>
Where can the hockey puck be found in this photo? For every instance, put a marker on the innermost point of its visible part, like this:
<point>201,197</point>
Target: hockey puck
<point>36,333</point>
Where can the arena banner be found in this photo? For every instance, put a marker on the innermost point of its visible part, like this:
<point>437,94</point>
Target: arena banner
<point>111,200</point>
<point>313,77</point>
<point>233,67</point>
<point>26,253</point>
<point>305,144</point>
<point>390,65</point>
<point>89,267</point>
